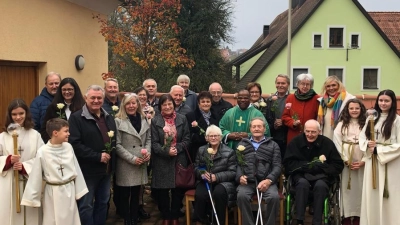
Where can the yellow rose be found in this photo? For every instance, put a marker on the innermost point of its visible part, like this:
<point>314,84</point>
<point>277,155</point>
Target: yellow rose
<point>60,105</point>
<point>210,150</point>
<point>114,108</point>
<point>110,134</point>
<point>322,158</point>
<point>263,104</point>
<point>184,99</point>
<point>241,148</point>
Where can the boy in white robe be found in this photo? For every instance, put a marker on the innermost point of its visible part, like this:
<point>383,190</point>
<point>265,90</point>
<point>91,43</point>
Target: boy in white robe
<point>57,165</point>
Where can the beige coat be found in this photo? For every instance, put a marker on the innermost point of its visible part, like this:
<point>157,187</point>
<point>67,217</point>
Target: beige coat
<point>129,145</point>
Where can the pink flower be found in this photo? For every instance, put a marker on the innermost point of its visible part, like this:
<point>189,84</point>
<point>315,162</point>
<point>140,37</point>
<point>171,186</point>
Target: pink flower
<point>143,151</point>
<point>194,124</point>
<point>148,115</point>
<point>166,129</point>
<point>288,105</point>
<point>274,98</point>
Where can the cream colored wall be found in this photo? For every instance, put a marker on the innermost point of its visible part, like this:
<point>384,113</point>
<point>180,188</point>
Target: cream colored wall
<point>53,32</point>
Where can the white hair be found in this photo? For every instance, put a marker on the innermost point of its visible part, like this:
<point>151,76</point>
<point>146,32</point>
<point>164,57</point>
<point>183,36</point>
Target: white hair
<point>213,129</point>
<point>150,79</point>
<point>313,122</point>
<point>215,83</point>
<point>110,79</point>
<point>175,87</point>
<point>183,77</point>
<point>305,76</point>
<point>94,87</point>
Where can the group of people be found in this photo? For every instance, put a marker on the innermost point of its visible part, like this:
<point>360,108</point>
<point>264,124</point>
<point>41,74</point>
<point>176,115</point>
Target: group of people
<point>84,144</point>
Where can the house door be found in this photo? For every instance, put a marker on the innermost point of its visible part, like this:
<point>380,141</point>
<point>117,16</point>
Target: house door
<point>18,80</point>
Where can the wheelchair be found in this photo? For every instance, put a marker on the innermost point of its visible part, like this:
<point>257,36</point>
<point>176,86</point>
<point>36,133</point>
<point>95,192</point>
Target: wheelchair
<point>331,211</point>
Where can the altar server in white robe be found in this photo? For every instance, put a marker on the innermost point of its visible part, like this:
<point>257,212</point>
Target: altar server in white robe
<point>57,165</point>
<point>29,140</point>
<point>346,136</point>
<point>381,205</point>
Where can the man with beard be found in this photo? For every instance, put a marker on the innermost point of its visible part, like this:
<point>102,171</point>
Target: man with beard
<point>235,124</point>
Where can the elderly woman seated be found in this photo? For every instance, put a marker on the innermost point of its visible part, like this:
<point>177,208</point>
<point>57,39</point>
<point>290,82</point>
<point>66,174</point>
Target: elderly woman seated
<point>216,165</point>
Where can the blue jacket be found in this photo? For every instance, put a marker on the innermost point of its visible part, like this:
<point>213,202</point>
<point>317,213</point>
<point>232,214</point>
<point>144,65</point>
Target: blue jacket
<point>191,99</point>
<point>38,107</point>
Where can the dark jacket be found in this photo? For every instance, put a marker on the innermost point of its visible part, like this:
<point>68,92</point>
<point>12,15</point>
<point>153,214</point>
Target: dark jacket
<point>197,139</point>
<point>191,99</point>
<point>38,107</point>
<point>224,168</point>
<point>263,163</point>
<point>299,152</point>
<point>183,109</point>
<point>219,108</point>
<point>163,165</point>
<point>272,114</point>
<point>107,105</point>
<point>87,141</point>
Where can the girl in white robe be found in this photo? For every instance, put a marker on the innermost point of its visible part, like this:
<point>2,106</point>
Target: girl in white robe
<point>381,205</point>
<point>28,141</point>
<point>346,136</point>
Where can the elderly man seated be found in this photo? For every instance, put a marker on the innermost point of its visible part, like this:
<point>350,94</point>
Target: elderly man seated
<point>313,162</point>
<point>261,169</point>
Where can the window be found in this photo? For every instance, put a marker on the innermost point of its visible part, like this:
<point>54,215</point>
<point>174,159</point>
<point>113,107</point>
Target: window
<point>354,41</point>
<point>336,37</point>
<point>296,72</point>
<point>317,40</point>
<point>370,78</point>
<point>337,72</point>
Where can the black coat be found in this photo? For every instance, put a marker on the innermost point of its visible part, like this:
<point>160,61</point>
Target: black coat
<point>265,163</point>
<point>196,139</point>
<point>219,109</point>
<point>299,152</point>
<point>224,168</point>
<point>87,141</point>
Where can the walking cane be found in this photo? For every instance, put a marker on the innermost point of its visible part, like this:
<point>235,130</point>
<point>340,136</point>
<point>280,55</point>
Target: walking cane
<point>212,202</point>
<point>372,115</point>
<point>12,129</point>
<point>259,199</point>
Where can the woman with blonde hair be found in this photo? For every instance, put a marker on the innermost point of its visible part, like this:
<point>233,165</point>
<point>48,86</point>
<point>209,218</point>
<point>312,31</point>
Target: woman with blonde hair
<point>133,154</point>
<point>332,101</point>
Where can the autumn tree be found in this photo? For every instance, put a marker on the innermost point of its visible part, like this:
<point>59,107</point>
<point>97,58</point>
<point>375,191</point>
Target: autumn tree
<point>142,35</point>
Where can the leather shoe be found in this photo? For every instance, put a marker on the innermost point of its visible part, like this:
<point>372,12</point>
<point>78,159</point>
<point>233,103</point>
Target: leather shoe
<point>175,222</point>
<point>143,214</point>
<point>166,222</point>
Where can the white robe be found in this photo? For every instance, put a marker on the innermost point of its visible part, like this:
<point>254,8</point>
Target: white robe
<point>30,141</point>
<point>59,201</point>
<point>350,198</point>
<point>375,209</point>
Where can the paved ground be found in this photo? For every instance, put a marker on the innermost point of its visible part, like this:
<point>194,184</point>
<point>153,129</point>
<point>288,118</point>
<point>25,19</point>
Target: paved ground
<point>155,219</point>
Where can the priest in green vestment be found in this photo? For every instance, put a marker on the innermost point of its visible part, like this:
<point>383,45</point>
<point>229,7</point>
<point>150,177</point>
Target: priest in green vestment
<point>235,124</point>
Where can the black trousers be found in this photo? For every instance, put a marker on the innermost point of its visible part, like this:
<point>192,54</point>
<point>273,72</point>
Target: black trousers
<point>129,201</point>
<point>319,190</point>
<point>202,203</point>
<point>282,146</point>
<point>169,206</point>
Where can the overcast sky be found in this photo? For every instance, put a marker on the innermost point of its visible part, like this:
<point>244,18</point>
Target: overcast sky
<point>251,15</point>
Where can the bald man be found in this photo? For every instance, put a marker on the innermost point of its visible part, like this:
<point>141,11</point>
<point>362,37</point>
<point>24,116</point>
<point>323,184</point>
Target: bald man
<point>303,149</point>
<point>219,105</point>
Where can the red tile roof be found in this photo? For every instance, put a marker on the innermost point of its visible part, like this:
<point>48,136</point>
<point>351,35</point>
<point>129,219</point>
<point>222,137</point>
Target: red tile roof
<point>389,22</point>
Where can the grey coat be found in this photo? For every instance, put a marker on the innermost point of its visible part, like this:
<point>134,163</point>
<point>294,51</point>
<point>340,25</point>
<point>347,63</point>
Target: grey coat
<point>163,165</point>
<point>129,146</point>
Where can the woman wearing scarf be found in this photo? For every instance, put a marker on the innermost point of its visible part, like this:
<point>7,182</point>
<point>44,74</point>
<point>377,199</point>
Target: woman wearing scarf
<point>169,139</point>
<point>300,106</point>
<point>199,120</point>
<point>255,97</point>
<point>331,104</point>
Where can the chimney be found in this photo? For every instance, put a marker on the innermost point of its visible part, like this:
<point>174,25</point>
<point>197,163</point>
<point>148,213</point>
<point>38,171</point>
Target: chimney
<point>265,31</point>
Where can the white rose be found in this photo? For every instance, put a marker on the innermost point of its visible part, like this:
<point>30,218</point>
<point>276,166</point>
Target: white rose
<point>241,148</point>
<point>322,158</point>
<point>263,104</point>
<point>184,99</point>
<point>110,134</point>
<point>210,150</point>
<point>60,105</point>
<point>114,108</point>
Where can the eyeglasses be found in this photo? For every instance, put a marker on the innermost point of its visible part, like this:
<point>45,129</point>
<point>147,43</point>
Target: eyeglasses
<point>67,90</point>
<point>213,136</point>
<point>305,84</point>
<point>254,92</point>
<point>311,132</point>
<point>215,92</point>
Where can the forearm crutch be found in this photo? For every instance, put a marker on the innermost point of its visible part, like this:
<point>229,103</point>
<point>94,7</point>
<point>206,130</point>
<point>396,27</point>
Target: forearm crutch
<point>212,201</point>
<point>259,199</point>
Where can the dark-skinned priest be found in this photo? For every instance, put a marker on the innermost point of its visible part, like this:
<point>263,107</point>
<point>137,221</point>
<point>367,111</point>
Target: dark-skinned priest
<point>235,124</point>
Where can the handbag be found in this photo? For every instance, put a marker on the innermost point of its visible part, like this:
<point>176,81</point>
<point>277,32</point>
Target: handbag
<point>184,177</point>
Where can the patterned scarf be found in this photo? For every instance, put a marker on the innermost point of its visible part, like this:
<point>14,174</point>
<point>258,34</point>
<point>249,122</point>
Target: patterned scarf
<point>170,122</point>
<point>206,116</point>
<point>304,96</point>
<point>335,103</point>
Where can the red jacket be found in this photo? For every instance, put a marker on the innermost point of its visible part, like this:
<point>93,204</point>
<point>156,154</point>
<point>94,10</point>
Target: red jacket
<point>305,110</point>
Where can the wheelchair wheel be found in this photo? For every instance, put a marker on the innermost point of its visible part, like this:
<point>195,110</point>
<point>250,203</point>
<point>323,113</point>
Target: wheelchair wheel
<point>334,209</point>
